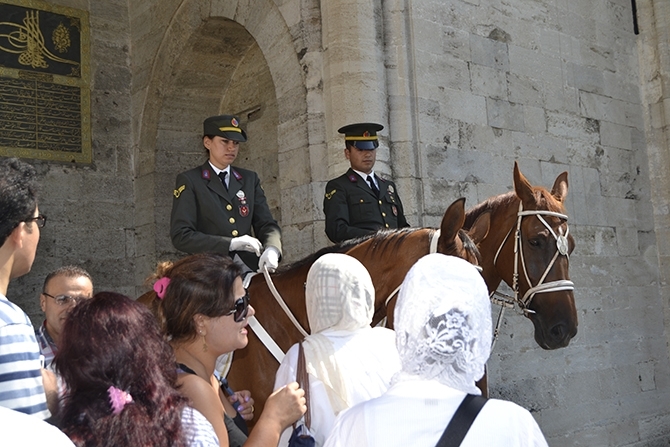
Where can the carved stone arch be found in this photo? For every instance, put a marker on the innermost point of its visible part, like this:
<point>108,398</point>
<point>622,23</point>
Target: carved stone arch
<point>220,59</point>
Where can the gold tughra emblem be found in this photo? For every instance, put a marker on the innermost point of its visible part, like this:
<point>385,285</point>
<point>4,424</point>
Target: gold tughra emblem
<point>330,194</point>
<point>177,192</point>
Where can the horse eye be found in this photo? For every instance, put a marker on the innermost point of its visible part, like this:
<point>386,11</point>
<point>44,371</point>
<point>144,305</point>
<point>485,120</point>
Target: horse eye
<point>535,242</point>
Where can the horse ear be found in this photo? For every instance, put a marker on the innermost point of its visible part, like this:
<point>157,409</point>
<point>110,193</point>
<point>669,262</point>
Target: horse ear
<point>523,188</point>
<point>480,229</point>
<point>453,220</point>
<point>560,188</point>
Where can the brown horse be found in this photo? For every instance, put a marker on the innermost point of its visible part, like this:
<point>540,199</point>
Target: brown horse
<point>388,256</point>
<point>528,247</point>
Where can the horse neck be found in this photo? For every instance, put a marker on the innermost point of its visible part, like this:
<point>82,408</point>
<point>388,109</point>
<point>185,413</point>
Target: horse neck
<point>503,221</point>
<point>388,260</point>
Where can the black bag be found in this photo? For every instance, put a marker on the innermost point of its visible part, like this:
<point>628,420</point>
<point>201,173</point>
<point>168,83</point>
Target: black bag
<point>298,439</point>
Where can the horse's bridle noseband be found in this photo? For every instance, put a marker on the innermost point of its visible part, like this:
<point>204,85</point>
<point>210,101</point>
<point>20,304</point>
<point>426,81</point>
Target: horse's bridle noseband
<point>541,287</point>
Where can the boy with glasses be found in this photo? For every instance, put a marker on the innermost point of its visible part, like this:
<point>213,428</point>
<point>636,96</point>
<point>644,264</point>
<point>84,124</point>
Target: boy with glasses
<point>21,383</point>
<point>63,289</point>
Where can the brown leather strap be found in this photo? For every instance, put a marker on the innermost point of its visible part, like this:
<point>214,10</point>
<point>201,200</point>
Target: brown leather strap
<point>302,378</point>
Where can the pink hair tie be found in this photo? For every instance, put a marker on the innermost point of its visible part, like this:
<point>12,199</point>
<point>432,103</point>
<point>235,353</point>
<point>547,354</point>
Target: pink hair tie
<point>118,399</point>
<point>161,286</point>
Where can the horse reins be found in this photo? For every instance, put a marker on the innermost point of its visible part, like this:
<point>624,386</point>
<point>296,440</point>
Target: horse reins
<point>541,287</point>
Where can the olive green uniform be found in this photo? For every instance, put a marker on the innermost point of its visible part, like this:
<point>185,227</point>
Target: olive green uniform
<point>353,210</point>
<point>206,216</point>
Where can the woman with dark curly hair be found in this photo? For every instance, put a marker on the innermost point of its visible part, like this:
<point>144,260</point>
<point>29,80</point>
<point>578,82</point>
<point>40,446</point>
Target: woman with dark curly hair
<point>205,308</point>
<point>121,380</point>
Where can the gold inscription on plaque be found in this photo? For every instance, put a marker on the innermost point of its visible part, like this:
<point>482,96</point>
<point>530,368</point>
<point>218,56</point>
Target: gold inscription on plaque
<point>44,81</point>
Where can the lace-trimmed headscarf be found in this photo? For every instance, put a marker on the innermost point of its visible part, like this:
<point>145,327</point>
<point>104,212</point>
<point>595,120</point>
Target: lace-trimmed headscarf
<point>339,296</point>
<point>443,323</point>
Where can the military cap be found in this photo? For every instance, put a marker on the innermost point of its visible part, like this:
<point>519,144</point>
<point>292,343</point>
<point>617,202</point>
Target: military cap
<point>363,136</point>
<point>226,126</point>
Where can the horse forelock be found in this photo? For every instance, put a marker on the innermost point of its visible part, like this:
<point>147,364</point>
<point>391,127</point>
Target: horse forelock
<point>546,201</point>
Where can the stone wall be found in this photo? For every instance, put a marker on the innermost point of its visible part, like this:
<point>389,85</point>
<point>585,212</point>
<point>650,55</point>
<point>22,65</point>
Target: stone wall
<point>464,88</point>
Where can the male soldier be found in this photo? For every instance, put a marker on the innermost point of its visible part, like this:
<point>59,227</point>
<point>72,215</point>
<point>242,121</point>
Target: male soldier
<point>63,289</point>
<point>216,205</point>
<point>359,202</point>
<point>21,384</point>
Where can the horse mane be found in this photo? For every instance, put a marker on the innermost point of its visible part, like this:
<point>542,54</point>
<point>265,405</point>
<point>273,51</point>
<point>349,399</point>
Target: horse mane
<point>543,200</point>
<point>488,205</point>
<point>380,240</point>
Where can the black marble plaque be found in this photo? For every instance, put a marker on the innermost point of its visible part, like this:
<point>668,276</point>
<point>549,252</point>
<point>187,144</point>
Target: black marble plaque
<point>44,82</point>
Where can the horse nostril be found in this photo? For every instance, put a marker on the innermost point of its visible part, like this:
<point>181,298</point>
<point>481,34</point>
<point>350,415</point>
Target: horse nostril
<point>558,332</point>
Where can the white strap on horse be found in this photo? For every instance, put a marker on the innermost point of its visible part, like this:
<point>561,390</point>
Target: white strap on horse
<point>260,331</point>
<point>432,249</point>
<point>266,339</point>
<point>282,303</point>
<point>562,248</point>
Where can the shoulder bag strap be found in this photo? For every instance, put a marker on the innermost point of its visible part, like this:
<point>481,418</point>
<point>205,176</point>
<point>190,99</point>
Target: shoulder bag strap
<point>303,380</point>
<point>460,424</point>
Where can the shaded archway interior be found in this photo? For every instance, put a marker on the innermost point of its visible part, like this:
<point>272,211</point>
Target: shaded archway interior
<point>221,69</point>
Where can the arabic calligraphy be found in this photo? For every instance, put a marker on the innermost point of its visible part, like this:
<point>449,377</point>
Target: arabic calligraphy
<point>40,115</point>
<point>45,97</point>
<point>28,41</point>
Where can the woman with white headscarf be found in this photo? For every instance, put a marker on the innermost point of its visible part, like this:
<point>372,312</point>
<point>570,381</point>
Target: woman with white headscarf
<point>348,361</point>
<point>443,335</point>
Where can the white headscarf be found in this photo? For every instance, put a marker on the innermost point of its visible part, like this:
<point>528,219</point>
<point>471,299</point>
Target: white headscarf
<point>443,323</point>
<point>339,296</point>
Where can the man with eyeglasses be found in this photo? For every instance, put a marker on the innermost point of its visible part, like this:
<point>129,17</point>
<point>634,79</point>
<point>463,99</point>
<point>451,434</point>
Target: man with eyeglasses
<point>22,387</point>
<point>63,289</point>
<point>359,202</point>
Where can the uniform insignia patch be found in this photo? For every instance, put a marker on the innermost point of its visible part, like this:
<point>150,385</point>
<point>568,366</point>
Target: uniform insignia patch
<point>236,174</point>
<point>177,192</point>
<point>353,178</point>
<point>244,211</point>
<point>395,210</point>
<point>234,122</point>
<point>206,174</point>
<point>390,189</point>
<point>330,194</point>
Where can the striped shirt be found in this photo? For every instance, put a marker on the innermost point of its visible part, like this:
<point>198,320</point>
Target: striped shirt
<point>199,432</point>
<point>21,387</point>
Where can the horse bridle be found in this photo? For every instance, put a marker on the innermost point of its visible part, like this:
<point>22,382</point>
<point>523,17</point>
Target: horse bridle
<point>562,249</point>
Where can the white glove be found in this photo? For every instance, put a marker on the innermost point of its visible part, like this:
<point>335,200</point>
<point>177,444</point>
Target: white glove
<point>246,243</point>
<point>269,259</point>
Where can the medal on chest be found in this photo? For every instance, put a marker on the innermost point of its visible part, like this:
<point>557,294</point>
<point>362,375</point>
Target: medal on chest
<point>390,190</point>
<point>243,208</point>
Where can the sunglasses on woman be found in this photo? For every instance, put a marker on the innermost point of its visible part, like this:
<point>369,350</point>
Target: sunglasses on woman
<point>240,308</point>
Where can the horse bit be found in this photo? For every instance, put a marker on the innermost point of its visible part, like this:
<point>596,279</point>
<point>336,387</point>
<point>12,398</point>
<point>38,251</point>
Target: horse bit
<point>504,300</point>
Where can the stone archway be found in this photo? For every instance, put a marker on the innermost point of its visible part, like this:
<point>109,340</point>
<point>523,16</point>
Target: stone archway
<point>213,62</point>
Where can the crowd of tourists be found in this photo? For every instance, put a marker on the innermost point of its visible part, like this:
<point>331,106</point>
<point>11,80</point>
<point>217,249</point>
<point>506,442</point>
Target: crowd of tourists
<point>104,370</point>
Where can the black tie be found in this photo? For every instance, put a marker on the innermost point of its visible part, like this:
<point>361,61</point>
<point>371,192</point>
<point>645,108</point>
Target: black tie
<point>373,187</point>
<point>222,176</point>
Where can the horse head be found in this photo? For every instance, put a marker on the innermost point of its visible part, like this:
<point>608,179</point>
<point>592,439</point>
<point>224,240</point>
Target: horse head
<point>544,249</point>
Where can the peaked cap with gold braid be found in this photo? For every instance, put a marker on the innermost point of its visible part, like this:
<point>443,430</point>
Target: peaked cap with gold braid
<point>363,136</point>
<point>226,126</point>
